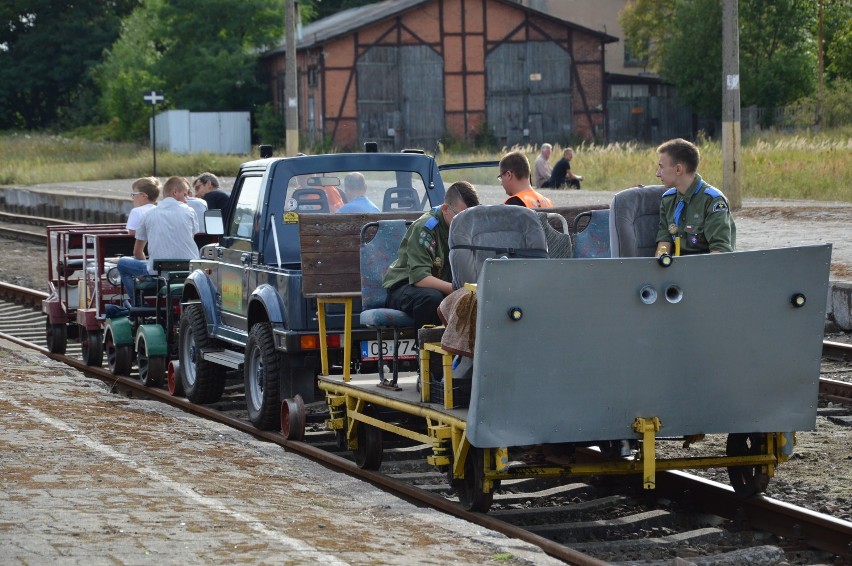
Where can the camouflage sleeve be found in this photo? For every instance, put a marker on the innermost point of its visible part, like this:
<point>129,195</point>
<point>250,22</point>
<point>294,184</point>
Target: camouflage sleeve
<point>719,226</point>
<point>421,254</point>
<point>663,234</point>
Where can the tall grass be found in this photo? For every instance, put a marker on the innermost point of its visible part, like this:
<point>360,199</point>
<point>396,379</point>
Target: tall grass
<point>813,166</point>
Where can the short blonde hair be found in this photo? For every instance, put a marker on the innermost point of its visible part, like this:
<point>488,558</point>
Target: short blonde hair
<point>148,185</point>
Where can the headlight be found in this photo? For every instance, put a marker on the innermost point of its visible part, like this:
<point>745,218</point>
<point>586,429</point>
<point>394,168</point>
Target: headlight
<point>113,276</point>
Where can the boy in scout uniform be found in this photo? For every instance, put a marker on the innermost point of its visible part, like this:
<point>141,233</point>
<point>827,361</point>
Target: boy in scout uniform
<point>419,278</point>
<point>694,216</point>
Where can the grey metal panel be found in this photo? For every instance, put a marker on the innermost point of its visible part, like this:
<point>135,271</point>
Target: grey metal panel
<point>529,88</point>
<point>589,356</point>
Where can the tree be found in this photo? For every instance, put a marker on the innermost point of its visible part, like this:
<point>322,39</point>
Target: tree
<point>47,50</point>
<point>777,48</point>
<point>203,54</point>
<point>837,38</point>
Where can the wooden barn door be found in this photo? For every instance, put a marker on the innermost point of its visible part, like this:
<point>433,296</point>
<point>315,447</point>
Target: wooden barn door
<point>529,93</point>
<point>401,97</point>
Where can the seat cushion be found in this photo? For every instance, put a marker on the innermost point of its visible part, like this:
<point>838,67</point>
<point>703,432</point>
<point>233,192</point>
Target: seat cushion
<point>385,318</point>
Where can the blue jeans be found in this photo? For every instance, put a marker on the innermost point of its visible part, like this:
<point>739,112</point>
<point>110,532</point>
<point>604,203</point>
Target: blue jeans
<point>129,268</point>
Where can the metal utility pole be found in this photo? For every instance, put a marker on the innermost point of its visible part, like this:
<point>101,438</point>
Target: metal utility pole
<point>291,86</point>
<point>731,134</point>
<point>820,95</point>
<point>153,98</point>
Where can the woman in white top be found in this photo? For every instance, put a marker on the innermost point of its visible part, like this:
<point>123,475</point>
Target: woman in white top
<point>144,193</point>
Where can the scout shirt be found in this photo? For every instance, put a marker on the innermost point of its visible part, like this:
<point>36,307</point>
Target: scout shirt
<point>423,251</point>
<point>702,216</point>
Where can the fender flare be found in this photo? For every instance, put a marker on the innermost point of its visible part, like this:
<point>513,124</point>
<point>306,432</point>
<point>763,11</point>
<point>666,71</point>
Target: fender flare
<point>199,282</point>
<point>122,332</point>
<point>155,340</point>
<point>272,304</point>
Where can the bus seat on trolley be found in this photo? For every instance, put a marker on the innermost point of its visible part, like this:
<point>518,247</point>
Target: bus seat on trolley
<point>558,242</point>
<point>592,241</point>
<point>492,231</point>
<point>633,221</point>
<point>376,255</point>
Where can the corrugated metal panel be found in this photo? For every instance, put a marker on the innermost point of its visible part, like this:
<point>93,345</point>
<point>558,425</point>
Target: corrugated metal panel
<point>182,131</point>
<point>529,93</point>
<point>400,97</point>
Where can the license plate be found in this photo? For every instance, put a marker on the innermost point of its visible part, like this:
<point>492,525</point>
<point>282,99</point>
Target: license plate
<point>370,350</point>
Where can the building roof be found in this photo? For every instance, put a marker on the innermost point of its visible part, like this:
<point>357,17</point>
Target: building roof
<point>342,23</point>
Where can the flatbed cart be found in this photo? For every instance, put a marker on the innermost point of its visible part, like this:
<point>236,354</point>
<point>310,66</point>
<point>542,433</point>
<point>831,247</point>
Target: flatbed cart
<point>78,261</point>
<point>612,353</point>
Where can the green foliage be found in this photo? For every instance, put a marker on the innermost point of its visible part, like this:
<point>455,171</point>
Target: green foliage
<point>47,51</point>
<point>270,127</point>
<point>837,38</point>
<point>204,63</point>
<point>836,107</point>
<point>777,48</point>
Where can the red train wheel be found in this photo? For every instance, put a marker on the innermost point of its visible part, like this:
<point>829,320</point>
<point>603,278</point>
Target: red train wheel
<point>293,418</point>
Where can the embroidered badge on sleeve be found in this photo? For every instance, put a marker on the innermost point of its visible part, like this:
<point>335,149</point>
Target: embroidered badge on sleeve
<point>720,206</point>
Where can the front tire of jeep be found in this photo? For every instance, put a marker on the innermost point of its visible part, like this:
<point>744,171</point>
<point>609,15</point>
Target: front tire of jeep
<point>203,381</point>
<point>263,366</point>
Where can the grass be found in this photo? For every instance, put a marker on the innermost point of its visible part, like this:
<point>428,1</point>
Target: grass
<point>812,166</point>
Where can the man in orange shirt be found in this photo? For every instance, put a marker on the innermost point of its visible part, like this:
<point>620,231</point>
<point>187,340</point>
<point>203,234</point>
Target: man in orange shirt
<point>515,178</point>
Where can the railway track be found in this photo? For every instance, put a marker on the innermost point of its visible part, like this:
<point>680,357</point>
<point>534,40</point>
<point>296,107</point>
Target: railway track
<point>584,522</point>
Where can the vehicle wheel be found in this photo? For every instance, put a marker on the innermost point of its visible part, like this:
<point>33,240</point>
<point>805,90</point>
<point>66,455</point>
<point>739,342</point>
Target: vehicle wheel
<point>368,454</point>
<point>119,358</point>
<point>747,480</point>
<point>263,368</point>
<point>470,488</point>
<point>202,380</point>
<point>152,370</point>
<point>57,338</point>
<point>92,344</point>
<point>293,418</point>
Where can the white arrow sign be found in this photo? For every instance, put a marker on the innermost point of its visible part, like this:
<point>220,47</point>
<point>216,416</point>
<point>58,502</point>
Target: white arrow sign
<point>153,97</point>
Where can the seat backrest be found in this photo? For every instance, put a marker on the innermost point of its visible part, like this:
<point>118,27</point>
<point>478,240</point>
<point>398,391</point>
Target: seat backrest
<point>634,220</point>
<point>499,230</point>
<point>376,255</point>
<point>593,240</point>
<point>400,198</point>
<point>558,243</point>
<point>311,200</point>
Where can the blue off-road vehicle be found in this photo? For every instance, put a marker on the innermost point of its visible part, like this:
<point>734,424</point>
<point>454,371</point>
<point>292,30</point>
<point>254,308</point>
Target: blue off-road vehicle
<point>243,303</point>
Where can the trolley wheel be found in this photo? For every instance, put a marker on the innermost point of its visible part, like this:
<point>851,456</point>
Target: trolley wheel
<point>470,488</point>
<point>57,338</point>
<point>293,418</point>
<point>173,379</point>
<point>152,369</point>
<point>202,381</point>
<point>119,358</point>
<point>368,454</point>
<point>747,480</point>
<point>263,366</point>
<point>92,345</point>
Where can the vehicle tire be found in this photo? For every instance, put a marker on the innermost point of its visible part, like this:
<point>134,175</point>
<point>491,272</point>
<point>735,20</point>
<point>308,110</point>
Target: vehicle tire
<point>92,346</point>
<point>368,454</point>
<point>470,488</point>
<point>119,358</point>
<point>152,370</point>
<point>203,381</point>
<point>57,338</point>
<point>263,368</point>
<point>747,480</point>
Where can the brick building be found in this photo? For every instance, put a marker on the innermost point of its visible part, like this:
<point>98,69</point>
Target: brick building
<point>406,73</point>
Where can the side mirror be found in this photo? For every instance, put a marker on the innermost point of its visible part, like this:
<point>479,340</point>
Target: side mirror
<point>214,223</point>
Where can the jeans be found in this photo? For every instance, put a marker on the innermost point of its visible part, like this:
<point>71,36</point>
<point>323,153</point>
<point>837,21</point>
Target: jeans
<point>129,268</point>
